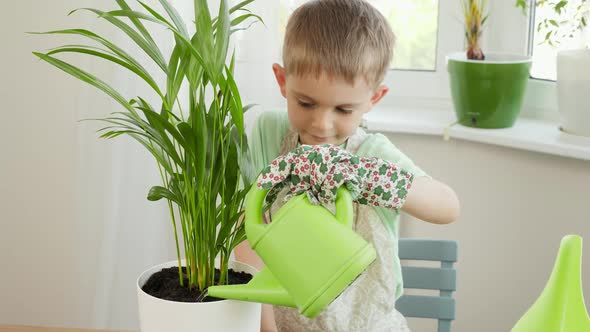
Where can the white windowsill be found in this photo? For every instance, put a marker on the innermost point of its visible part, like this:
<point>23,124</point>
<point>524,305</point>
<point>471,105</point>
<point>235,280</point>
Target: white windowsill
<point>527,134</point>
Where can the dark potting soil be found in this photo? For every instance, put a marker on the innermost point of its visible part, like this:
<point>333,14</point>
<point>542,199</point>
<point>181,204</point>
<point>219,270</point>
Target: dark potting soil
<point>165,285</point>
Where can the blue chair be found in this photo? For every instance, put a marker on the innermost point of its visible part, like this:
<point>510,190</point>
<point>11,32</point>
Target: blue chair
<point>441,278</point>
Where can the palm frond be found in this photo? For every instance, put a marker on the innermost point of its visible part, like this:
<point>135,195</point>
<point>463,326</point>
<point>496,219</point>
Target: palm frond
<point>197,147</point>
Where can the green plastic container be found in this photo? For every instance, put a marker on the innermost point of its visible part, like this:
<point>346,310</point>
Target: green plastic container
<point>560,307</point>
<point>488,93</point>
<point>310,254</point>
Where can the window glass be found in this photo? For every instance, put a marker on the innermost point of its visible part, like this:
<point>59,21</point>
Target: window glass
<point>552,32</point>
<point>414,22</point>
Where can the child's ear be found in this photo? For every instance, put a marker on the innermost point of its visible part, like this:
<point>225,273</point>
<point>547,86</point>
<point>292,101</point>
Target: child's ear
<point>280,76</point>
<point>379,93</point>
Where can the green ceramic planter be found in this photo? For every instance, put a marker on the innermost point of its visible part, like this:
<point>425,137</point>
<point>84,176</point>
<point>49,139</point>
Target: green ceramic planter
<point>489,93</point>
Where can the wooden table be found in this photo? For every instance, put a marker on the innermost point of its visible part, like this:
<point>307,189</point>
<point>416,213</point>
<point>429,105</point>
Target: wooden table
<point>19,328</point>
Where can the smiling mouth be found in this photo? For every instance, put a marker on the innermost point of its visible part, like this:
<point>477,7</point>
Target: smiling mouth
<point>319,138</point>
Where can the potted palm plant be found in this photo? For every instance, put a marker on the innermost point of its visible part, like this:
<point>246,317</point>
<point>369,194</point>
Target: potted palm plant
<point>564,20</point>
<point>487,89</point>
<point>197,145</point>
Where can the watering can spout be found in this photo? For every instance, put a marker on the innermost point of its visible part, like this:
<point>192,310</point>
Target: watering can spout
<point>263,288</point>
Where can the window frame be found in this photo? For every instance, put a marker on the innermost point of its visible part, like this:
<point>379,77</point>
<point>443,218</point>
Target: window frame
<point>426,86</point>
<point>507,31</point>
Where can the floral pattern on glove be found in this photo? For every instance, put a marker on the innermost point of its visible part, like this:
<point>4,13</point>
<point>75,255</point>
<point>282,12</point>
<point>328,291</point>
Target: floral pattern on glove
<point>319,170</point>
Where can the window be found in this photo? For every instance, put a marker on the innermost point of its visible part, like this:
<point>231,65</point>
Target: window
<point>552,32</point>
<point>415,23</point>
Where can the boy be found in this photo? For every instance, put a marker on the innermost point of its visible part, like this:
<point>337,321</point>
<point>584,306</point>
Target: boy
<point>335,55</point>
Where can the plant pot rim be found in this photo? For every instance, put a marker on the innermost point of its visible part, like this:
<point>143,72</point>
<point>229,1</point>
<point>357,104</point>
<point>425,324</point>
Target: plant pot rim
<point>491,58</point>
<point>143,276</point>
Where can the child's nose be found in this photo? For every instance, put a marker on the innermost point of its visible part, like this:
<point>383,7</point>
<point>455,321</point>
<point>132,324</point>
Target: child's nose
<point>322,121</point>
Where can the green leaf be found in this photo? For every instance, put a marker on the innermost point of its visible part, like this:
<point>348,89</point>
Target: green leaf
<point>244,17</point>
<point>249,106</point>
<point>522,4</point>
<point>176,18</point>
<point>86,77</point>
<point>150,49</point>
<point>162,126</point>
<point>83,49</point>
<point>231,176</point>
<point>241,29</point>
<point>199,157</point>
<point>179,37</point>
<point>240,6</point>
<point>222,36</point>
<point>93,36</point>
<point>190,138</point>
<point>548,35</point>
<point>161,156</point>
<point>232,63</point>
<point>204,31</point>
<point>144,32</point>
<point>178,64</point>
<point>159,16</point>
<point>238,20</point>
<point>158,192</point>
<point>236,109</point>
<point>131,14</point>
<point>199,121</point>
<point>559,6</point>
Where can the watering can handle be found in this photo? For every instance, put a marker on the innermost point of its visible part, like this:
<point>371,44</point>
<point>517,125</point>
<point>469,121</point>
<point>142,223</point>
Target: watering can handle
<point>255,200</point>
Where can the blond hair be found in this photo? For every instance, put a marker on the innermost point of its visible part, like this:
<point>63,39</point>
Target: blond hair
<point>342,38</point>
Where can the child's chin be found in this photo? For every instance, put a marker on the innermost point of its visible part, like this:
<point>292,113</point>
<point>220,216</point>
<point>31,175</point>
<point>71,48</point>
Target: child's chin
<point>308,139</point>
<point>317,142</point>
<point>312,140</point>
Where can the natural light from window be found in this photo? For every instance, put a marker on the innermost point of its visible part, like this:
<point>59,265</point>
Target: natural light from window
<point>414,22</point>
<point>544,54</point>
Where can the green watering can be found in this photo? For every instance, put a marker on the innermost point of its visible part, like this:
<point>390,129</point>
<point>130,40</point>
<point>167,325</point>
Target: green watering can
<point>310,254</point>
<point>560,307</point>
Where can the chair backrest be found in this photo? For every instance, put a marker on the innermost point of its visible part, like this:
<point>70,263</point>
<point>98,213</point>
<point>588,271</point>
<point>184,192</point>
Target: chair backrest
<point>441,278</point>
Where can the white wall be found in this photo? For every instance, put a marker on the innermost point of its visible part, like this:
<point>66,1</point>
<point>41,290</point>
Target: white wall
<point>76,226</point>
<point>58,242</point>
<point>38,143</point>
<point>515,208</point>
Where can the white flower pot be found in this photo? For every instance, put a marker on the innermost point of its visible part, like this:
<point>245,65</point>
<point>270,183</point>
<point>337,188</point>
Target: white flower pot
<point>157,315</point>
<point>573,91</point>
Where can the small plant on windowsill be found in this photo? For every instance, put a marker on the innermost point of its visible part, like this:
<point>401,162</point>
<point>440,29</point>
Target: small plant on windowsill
<point>475,16</point>
<point>570,17</point>
<point>487,90</point>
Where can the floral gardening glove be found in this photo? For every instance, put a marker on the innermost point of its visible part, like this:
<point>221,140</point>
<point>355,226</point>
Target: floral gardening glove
<point>319,171</point>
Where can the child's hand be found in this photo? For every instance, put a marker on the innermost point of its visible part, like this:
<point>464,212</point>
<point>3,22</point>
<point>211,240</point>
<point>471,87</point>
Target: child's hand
<point>320,170</point>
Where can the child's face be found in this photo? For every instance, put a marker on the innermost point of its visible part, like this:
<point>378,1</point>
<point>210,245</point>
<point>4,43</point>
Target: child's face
<point>326,110</point>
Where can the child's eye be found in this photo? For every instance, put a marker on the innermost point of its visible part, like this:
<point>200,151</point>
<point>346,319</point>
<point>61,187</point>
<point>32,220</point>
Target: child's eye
<point>343,110</point>
<point>305,104</point>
